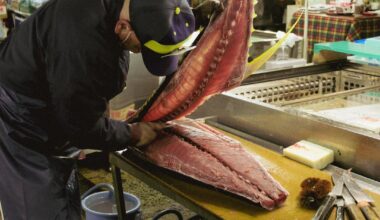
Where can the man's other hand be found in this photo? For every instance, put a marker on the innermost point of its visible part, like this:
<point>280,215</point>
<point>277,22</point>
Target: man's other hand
<point>144,133</point>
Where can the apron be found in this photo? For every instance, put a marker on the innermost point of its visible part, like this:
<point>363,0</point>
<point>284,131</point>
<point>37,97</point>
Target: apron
<point>33,185</point>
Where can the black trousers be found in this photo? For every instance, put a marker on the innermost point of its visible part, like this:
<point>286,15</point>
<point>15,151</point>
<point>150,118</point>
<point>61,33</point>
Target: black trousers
<point>33,186</point>
<point>36,187</point>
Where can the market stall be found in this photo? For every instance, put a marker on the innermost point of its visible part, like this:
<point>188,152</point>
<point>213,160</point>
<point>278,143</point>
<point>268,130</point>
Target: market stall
<point>236,131</point>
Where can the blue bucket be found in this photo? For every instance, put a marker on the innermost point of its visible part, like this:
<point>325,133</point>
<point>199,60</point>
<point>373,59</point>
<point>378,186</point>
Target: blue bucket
<point>101,205</point>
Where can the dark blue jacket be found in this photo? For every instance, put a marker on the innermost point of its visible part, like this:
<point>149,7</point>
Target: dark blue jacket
<point>59,68</point>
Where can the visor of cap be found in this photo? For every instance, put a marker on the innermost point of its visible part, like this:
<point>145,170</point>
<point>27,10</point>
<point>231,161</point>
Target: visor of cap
<point>158,65</point>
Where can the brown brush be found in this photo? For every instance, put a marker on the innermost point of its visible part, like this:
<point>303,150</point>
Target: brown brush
<point>314,190</point>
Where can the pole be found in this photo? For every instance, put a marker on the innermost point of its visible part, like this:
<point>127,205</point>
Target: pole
<point>305,30</point>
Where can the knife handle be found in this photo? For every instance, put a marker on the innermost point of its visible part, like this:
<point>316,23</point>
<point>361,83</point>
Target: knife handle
<point>332,216</point>
<point>340,213</point>
<point>375,210</point>
<point>325,209</point>
<point>368,212</point>
<point>354,212</point>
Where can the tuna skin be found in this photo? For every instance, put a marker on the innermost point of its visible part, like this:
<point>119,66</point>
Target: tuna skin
<point>216,65</point>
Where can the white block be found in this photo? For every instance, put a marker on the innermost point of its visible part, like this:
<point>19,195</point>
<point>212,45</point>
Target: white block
<point>310,154</point>
<point>288,63</point>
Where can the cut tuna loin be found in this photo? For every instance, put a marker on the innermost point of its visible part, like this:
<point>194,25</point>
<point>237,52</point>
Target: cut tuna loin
<point>203,153</point>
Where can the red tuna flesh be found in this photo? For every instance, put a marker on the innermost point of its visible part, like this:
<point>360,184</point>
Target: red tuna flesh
<point>202,153</point>
<point>216,65</point>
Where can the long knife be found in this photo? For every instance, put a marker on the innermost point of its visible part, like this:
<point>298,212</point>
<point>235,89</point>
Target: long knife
<point>328,203</point>
<point>363,200</point>
<point>340,209</point>
<point>353,210</point>
<point>338,181</point>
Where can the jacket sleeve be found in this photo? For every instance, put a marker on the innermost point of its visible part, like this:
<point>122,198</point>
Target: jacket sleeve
<point>81,84</point>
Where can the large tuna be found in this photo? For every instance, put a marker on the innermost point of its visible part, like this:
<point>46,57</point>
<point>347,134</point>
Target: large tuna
<point>217,64</point>
<point>200,152</point>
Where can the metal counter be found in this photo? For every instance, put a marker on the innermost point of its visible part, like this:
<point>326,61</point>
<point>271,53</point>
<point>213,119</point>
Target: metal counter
<point>286,106</point>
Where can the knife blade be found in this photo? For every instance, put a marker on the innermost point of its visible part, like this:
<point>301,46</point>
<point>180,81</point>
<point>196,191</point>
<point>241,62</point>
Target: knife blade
<point>360,197</point>
<point>350,204</point>
<point>325,209</point>
<point>338,184</point>
<point>328,203</point>
<point>179,51</point>
<point>340,209</point>
<point>338,181</point>
<point>355,190</point>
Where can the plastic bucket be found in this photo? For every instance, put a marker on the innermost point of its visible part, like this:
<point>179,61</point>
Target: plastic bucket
<point>101,205</point>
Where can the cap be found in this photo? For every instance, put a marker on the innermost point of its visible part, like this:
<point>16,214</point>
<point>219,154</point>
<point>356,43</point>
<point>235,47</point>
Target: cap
<point>162,26</point>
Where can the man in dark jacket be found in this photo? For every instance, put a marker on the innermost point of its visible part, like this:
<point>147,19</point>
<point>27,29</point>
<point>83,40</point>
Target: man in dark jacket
<point>58,70</point>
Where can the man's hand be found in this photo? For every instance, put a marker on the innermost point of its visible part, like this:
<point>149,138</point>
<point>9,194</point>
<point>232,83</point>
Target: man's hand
<point>144,133</point>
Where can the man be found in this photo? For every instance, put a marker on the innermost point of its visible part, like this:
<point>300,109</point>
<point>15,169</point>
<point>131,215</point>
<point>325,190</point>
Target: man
<point>58,70</point>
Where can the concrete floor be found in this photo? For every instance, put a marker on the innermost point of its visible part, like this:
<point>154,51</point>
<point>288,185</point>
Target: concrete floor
<point>152,201</point>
